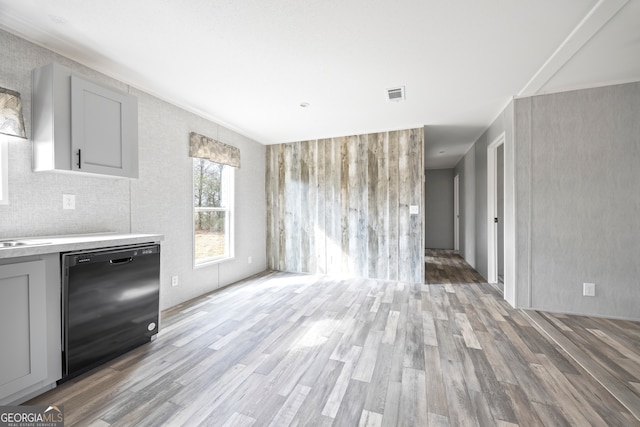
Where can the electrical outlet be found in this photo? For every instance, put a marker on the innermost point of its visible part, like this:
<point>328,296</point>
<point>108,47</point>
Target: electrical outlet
<point>174,280</point>
<point>589,289</point>
<point>249,260</point>
<point>414,210</point>
<point>68,201</point>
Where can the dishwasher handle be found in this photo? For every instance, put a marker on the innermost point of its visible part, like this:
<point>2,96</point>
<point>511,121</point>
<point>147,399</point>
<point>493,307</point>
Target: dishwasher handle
<point>121,261</point>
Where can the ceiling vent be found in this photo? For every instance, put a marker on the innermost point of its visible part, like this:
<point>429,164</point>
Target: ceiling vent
<point>395,94</point>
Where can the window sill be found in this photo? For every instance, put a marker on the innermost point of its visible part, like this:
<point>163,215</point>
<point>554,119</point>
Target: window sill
<point>212,262</point>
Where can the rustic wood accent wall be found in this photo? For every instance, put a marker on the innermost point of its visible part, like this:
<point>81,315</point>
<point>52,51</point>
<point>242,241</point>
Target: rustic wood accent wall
<point>340,206</point>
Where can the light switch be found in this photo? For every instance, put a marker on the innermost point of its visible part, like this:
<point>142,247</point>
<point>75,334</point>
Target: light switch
<point>414,210</point>
<point>68,201</point>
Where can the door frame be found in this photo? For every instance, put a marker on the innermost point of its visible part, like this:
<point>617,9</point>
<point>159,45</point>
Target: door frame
<point>456,213</point>
<point>492,208</point>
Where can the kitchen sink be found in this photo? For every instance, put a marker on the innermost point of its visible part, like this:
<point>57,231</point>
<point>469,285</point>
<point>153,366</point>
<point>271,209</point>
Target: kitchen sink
<point>18,243</point>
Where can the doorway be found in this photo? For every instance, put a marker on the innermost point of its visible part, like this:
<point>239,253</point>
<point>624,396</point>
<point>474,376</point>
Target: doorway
<point>456,213</point>
<point>495,211</point>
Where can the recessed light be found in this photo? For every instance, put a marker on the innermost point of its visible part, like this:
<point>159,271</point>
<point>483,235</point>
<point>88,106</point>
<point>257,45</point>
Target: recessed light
<point>304,104</point>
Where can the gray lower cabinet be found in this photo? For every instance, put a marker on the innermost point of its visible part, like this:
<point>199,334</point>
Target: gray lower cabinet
<point>82,126</point>
<point>30,330</point>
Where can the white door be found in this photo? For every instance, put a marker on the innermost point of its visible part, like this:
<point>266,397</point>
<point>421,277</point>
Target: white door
<point>492,209</point>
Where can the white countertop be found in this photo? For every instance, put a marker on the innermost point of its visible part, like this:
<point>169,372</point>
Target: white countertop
<point>52,244</point>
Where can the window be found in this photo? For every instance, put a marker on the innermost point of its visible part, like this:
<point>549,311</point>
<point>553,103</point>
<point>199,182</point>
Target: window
<point>212,211</point>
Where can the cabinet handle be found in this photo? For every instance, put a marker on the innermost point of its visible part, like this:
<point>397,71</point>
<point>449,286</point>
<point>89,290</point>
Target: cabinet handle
<point>121,261</point>
<point>79,158</point>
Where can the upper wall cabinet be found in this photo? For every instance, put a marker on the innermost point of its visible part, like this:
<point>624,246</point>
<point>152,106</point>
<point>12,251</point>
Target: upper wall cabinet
<point>82,126</point>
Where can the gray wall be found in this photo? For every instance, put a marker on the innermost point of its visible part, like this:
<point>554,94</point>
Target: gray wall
<point>438,209</point>
<point>160,201</point>
<point>578,201</point>
<point>340,206</point>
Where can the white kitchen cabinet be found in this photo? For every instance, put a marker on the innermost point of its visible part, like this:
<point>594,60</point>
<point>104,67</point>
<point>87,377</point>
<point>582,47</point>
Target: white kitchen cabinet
<point>29,327</point>
<point>82,126</point>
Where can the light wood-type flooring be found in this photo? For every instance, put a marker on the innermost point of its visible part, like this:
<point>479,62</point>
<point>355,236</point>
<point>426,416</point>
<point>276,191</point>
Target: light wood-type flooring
<point>284,349</point>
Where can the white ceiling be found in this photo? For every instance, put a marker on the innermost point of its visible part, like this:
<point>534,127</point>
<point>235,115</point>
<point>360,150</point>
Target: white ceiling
<point>248,64</point>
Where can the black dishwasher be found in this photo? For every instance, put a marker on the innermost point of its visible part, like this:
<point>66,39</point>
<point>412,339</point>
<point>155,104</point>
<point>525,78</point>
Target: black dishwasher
<point>110,304</point>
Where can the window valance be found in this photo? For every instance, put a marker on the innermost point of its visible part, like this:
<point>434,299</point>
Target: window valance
<point>204,147</point>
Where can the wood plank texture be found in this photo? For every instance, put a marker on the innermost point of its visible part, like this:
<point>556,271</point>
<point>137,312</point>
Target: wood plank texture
<point>340,206</point>
<point>604,370</point>
<point>290,349</point>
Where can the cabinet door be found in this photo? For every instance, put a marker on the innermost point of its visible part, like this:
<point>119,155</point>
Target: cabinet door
<point>104,130</point>
<point>23,326</point>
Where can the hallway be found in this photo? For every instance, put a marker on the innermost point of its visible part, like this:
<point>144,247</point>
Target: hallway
<point>446,267</point>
